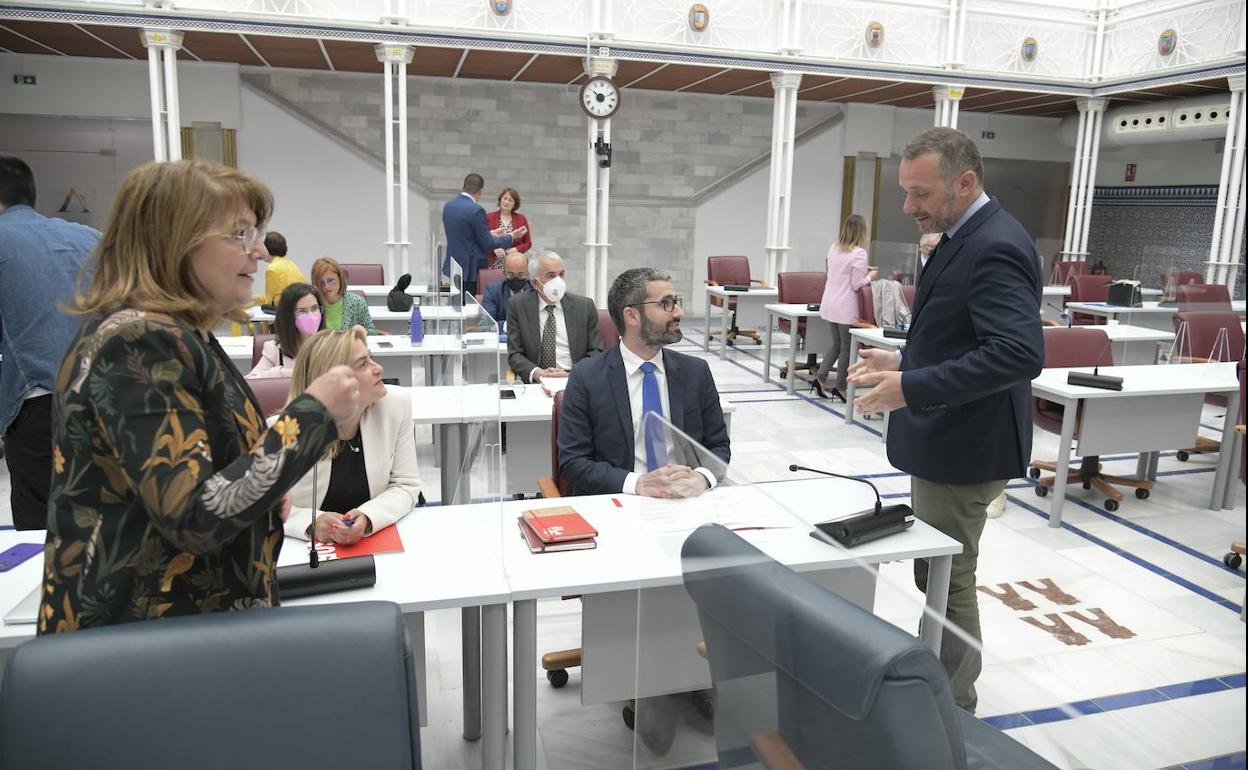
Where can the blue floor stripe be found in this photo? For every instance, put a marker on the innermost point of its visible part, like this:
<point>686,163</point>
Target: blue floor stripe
<point>1237,761</point>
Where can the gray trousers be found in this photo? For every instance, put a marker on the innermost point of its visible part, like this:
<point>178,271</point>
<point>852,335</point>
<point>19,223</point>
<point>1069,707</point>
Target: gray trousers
<point>959,511</point>
<point>839,352</point>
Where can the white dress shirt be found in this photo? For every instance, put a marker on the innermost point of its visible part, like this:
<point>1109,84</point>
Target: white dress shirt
<point>563,354</point>
<point>635,377</point>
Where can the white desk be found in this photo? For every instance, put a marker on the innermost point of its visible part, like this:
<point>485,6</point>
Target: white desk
<point>399,321</point>
<point>872,338</point>
<point>818,336</point>
<point>1054,297</point>
<point>749,312</point>
<point>1151,315</point>
<point>373,291</point>
<point>1158,408</point>
<point>435,354</point>
<point>628,560</point>
<point>452,409</point>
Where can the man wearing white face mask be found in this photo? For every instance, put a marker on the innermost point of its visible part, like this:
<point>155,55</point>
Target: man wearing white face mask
<point>549,329</point>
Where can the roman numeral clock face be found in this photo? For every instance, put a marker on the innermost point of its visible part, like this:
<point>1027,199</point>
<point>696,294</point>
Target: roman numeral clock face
<point>600,98</point>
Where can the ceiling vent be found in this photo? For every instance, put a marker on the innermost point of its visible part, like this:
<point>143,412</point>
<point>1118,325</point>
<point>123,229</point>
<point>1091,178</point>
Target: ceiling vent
<point>1180,120</point>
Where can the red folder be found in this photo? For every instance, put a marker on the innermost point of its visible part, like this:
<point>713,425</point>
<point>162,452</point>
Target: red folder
<point>385,541</point>
<point>558,524</point>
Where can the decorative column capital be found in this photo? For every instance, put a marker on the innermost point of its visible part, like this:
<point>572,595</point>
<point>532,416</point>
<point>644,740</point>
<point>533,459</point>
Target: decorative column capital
<point>785,80</point>
<point>161,38</point>
<point>1091,105</point>
<point>394,53</point>
<point>1235,82</point>
<point>948,93</point>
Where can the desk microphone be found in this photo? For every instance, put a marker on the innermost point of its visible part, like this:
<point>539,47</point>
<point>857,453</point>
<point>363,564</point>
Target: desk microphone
<point>1061,311</point>
<point>865,526</point>
<point>1096,379</point>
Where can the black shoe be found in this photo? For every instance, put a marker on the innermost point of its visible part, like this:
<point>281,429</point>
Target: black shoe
<point>817,387</point>
<point>837,395</point>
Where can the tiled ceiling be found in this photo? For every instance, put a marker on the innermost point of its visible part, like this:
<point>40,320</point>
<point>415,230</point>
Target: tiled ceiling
<point>309,53</point>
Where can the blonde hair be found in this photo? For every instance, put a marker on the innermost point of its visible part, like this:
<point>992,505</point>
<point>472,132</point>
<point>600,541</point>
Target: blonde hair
<point>324,265</point>
<point>320,353</point>
<point>853,233</point>
<point>161,213</point>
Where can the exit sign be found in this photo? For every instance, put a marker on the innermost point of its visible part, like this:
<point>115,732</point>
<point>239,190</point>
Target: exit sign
<point>987,134</point>
<point>23,80</point>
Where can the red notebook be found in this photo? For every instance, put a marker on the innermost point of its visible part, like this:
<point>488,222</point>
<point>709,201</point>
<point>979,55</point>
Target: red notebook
<point>537,546</point>
<point>558,524</point>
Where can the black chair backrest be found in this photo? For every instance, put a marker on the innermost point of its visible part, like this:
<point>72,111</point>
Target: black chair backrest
<point>226,689</point>
<point>843,688</point>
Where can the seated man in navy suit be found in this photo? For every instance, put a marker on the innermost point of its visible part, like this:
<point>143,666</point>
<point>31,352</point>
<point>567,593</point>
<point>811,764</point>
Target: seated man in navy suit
<point>469,240</point>
<point>515,281</point>
<point>602,448</point>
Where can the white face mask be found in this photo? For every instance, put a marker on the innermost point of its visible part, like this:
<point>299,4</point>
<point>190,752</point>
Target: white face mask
<point>555,288</point>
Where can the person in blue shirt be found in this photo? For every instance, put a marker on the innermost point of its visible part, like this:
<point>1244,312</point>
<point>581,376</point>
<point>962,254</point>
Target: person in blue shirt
<point>469,240</point>
<point>41,259</point>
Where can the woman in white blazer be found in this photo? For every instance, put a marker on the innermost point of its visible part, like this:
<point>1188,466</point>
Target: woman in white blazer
<point>371,480</point>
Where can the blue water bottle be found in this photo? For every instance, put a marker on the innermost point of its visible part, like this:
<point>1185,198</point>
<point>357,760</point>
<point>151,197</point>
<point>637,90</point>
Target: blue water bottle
<point>418,323</point>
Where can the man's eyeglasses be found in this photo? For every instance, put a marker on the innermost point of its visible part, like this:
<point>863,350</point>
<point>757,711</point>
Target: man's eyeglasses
<point>249,238</point>
<point>667,303</point>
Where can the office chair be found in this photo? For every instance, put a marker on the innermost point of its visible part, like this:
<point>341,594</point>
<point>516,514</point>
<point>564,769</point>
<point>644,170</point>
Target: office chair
<point>1235,556</point>
<point>1197,334</point>
<point>909,291</point>
<point>224,689</point>
<point>485,277</point>
<point>1089,288</point>
<point>271,392</point>
<point>606,327</point>
<point>805,679</point>
<point>1170,283</point>
<point>731,271</point>
<point>1064,269</point>
<point>1203,296</point>
<point>802,289</point>
<point>367,273</point>
<point>1067,347</point>
<point>257,347</point>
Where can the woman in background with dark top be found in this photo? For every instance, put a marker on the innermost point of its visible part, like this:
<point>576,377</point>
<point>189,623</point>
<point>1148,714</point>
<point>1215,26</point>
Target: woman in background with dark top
<point>369,479</point>
<point>847,273</point>
<point>300,314</point>
<point>506,219</point>
<point>168,493</point>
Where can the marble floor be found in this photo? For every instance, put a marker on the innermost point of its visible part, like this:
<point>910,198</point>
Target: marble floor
<point>1129,617</point>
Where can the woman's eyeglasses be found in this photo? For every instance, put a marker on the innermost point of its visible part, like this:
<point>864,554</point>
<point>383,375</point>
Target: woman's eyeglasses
<point>249,238</point>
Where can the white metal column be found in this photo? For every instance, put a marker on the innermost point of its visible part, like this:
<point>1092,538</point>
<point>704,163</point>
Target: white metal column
<point>395,59</point>
<point>780,189</point>
<point>947,98</point>
<point>1083,180</point>
<point>162,72</point>
<point>1228,219</point>
<point>598,192</point>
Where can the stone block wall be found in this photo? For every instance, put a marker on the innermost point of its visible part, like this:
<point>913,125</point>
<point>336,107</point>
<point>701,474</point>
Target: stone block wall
<point>667,149</point>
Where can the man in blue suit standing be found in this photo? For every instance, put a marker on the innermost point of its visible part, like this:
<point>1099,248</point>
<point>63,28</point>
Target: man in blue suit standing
<point>468,238</point>
<point>960,392</point>
<point>606,444</point>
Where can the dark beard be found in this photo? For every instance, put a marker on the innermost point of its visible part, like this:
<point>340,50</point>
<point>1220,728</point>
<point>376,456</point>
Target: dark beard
<point>657,335</point>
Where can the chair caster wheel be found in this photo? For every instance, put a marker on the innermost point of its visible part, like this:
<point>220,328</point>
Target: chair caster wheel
<point>757,341</point>
<point>557,678</point>
<point>732,343</point>
<point>1111,505</point>
<point>1233,560</point>
<point>1042,491</point>
<point>1182,456</point>
<point>1033,473</point>
<point>630,717</point>
<point>1142,494</point>
<point>1087,485</point>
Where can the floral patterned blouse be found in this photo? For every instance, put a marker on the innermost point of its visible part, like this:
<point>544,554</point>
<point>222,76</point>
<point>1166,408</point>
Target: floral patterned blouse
<point>166,484</point>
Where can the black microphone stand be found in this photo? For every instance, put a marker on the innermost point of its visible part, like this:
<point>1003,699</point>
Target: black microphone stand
<point>864,526</point>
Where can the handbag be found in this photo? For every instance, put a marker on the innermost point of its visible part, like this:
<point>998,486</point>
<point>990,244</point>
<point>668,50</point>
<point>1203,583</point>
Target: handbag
<point>1124,294</point>
<point>398,299</point>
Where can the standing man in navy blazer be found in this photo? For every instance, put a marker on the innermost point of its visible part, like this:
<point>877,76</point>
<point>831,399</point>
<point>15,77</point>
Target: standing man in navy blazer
<point>602,448</point>
<point>960,392</point>
<point>468,238</point>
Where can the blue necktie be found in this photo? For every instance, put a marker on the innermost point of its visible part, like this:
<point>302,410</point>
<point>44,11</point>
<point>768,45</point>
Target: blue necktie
<point>656,447</point>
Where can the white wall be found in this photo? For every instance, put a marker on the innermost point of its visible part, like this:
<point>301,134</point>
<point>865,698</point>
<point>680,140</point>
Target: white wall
<point>1171,163</point>
<point>331,201</point>
<point>733,220</point>
<point>113,88</point>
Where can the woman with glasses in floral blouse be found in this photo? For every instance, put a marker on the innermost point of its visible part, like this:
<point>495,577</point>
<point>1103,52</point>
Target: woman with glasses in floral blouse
<point>168,492</point>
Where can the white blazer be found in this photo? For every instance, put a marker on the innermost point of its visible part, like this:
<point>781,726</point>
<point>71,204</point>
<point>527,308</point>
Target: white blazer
<point>386,432</point>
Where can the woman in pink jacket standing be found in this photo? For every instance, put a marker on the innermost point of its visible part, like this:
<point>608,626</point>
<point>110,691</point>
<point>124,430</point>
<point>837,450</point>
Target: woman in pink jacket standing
<point>847,273</point>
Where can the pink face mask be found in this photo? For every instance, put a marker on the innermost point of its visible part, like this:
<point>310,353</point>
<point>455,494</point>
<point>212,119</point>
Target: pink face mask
<point>308,323</point>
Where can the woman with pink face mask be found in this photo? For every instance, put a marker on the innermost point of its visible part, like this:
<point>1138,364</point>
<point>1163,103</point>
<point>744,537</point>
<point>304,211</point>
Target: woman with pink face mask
<point>300,314</point>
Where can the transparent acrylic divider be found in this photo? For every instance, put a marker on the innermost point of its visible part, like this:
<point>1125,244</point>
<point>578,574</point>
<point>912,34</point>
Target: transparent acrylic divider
<point>757,645</point>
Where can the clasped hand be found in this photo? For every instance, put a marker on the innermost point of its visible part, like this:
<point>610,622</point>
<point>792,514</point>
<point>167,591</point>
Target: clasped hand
<point>672,481</point>
<point>877,369</point>
<point>342,528</point>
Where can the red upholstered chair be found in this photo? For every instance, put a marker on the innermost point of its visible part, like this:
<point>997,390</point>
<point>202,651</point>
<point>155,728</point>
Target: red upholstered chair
<point>271,392</point>
<point>866,309</point>
<point>1066,347</point>
<point>909,291</point>
<point>1236,555</point>
<point>1089,288</point>
<point>257,347</point>
<point>606,327</point>
<point>557,663</point>
<point>1204,296</point>
<point>1063,270</point>
<point>367,273</point>
<point>1170,282</point>
<point>800,289</point>
<point>1199,339</point>
<point>485,277</point>
<point>358,293</point>
<point>731,271</point>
